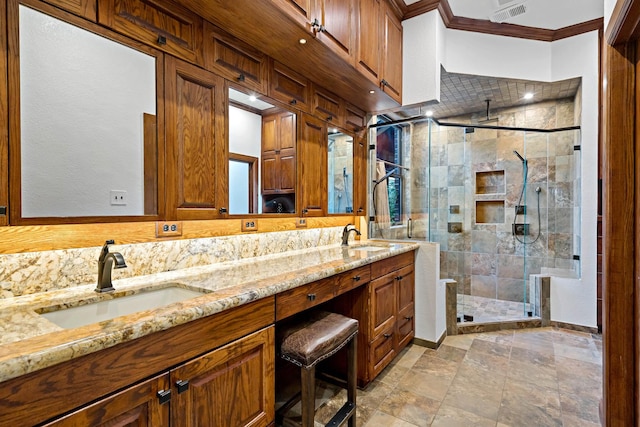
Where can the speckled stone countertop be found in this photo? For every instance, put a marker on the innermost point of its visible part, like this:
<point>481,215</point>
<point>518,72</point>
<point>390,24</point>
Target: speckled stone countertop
<point>29,342</point>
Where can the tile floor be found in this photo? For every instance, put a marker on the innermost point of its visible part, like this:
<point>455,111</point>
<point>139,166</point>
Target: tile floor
<point>490,309</point>
<point>531,377</point>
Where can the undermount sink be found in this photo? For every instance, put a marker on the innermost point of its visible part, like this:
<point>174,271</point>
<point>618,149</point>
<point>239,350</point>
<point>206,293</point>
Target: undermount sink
<point>368,248</point>
<point>82,315</point>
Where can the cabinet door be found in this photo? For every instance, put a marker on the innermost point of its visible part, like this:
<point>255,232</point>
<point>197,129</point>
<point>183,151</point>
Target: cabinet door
<point>278,153</point>
<point>234,59</point>
<point>369,39</point>
<point>382,294</point>
<point>406,296</point>
<point>337,18</point>
<point>289,87</point>
<point>84,8</point>
<point>136,406</point>
<point>391,54</point>
<point>4,116</point>
<point>298,10</point>
<point>312,175</point>
<point>196,152</point>
<point>164,25</point>
<point>328,107</point>
<point>232,386</point>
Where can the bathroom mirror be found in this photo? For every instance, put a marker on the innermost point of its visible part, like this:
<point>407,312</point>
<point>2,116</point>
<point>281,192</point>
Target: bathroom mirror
<point>340,170</point>
<point>262,155</point>
<point>87,141</point>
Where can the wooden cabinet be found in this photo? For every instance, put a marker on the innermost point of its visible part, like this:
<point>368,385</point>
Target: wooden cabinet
<point>391,82</point>
<point>369,19</point>
<point>279,153</point>
<point>405,322</point>
<point>299,10</point>
<point>285,85</point>
<point>139,405</point>
<point>234,59</point>
<point>160,23</point>
<point>360,153</point>
<point>196,161</point>
<point>4,120</point>
<point>85,8</point>
<point>328,107</point>
<point>232,386</point>
<point>337,26</point>
<point>312,166</point>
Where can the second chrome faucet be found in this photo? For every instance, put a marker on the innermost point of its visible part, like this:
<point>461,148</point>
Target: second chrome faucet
<point>106,261</point>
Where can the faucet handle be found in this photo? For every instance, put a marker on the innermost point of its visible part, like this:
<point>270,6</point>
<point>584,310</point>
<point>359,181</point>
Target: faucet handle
<point>105,249</point>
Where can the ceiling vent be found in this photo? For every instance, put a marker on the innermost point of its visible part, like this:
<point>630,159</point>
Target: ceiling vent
<point>512,10</point>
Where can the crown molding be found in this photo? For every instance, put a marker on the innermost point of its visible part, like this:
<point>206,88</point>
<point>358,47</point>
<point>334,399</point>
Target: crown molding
<point>508,30</point>
<point>624,25</point>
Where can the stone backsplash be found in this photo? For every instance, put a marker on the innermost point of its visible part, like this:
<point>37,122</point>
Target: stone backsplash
<point>27,273</point>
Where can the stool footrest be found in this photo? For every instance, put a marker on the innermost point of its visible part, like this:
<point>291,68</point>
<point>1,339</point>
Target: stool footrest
<point>342,415</point>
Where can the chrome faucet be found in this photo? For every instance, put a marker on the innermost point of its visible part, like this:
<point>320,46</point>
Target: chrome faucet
<point>345,233</point>
<point>105,263</point>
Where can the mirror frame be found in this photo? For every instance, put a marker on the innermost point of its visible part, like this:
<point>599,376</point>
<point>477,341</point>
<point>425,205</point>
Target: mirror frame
<point>283,106</point>
<point>15,173</point>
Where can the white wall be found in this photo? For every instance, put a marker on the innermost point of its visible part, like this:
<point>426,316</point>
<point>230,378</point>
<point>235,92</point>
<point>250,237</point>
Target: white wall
<point>245,135</point>
<point>608,11</point>
<point>491,55</point>
<point>82,103</point>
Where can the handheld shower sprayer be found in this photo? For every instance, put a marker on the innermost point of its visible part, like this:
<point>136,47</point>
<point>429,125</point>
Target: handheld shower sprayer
<point>522,159</point>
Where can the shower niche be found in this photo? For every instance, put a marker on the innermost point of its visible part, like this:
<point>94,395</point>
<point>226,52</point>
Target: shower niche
<point>490,182</point>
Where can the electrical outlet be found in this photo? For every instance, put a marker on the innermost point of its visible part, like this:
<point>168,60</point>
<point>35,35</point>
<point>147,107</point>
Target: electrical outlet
<point>118,197</point>
<point>249,225</point>
<point>301,222</point>
<point>168,228</point>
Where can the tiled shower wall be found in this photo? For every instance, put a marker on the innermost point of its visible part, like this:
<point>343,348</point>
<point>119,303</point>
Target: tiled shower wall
<point>475,184</point>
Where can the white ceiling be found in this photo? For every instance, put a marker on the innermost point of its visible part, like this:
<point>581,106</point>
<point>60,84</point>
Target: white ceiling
<point>548,14</point>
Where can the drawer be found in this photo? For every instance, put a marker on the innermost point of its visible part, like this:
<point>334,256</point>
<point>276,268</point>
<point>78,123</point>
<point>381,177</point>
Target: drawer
<point>382,351</point>
<point>164,25</point>
<point>84,8</point>
<point>406,326</point>
<point>328,107</point>
<point>349,280</point>
<point>355,118</point>
<point>234,60</point>
<point>303,297</point>
<point>287,86</point>
<point>388,265</point>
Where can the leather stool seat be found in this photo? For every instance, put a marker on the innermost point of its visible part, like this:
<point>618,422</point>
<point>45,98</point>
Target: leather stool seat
<point>312,340</point>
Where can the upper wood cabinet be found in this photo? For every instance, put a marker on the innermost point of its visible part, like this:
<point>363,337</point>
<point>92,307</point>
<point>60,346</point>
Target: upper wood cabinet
<point>300,10</point>
<point>328,106</point>
<point>162,24</point>
<point>234,59</point>
<point>312,167</point>
<point>197,167</point>
<point>369,39</point>
<point>391,78</point>
<point>279,153</point>
<point>285,85</point>
<point>337,22</point>
<point>85,8</point>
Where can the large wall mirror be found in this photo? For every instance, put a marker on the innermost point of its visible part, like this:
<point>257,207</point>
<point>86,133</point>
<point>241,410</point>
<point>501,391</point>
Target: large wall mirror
<point>340,169</point>
<point>87,140</point>
<point>262,155</point>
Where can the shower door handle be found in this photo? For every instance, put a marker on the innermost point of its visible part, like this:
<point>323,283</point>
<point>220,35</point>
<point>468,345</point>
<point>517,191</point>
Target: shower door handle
<point>409,228</point>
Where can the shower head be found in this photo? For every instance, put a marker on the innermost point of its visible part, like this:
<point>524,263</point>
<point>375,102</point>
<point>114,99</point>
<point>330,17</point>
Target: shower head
<point>519,156</point>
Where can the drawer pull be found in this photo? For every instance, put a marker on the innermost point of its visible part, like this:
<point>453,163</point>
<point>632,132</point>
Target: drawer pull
<point>183,385</point>
<point>162,40</point>
<point>164,396</point>
<point>386,335</point>
<point>398,278</point>
<point>356,278</point>
<point>311,297</point>
<point>408,317</point>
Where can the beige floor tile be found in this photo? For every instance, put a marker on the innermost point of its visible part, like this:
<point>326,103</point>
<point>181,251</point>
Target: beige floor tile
<point>429,364</point>
<point>526,404</point>
<point>449,416</point>
<point>411,407</point>
<point>380,419</point>
<point>408,357</point>
<point>459,341</point>
<point>427,385</point>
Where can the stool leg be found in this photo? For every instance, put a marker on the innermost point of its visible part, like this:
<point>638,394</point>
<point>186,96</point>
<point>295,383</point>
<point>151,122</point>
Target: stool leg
<point>352,376</point>
<point>308,379</point>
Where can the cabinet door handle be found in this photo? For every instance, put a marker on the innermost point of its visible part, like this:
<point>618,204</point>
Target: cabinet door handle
<point>162,40</point>
<point>408,317</point>
<point>356,278</point>
<point>311,297</point>
<point>386,336</point>
<point>329,118</point>
<point>293,102</point>
<point>241,77</point>
<point>383,82</point>
<point>183,385</point>
<point>223,210</point>
<point>398,278</point>
<point>164,396</point>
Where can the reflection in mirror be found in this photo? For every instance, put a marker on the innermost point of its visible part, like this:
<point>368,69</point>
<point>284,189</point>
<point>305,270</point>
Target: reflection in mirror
<point>87,122</point>
<point>340,181</point>
<point>262,155</point>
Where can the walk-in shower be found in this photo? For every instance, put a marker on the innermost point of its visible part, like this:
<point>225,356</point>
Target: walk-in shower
<point>502,201</point>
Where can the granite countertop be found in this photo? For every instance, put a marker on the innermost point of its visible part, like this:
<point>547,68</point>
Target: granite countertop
<point>29,342</point>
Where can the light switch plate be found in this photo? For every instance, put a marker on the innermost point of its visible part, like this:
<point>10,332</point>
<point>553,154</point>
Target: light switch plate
<point>168,228</point>
<point>301,222</point>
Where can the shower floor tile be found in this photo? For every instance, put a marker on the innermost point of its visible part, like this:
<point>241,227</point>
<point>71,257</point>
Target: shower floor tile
<point>491,310</point>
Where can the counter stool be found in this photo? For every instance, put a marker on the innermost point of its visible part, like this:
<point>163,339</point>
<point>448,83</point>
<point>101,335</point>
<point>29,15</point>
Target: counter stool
<point>310,341</point>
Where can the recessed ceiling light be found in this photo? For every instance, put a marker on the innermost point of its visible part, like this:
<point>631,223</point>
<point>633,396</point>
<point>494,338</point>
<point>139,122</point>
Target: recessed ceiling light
<point>528,95</point>
<point>302,41</point>
<point>334,130</point>
<point>372,91</point>
<point>252,98</point>
<point>428,113</point>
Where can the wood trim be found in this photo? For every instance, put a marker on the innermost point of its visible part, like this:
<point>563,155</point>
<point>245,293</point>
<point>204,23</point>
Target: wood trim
<point>619,179</point>
<point>253,178</point>
<point>4,117</point>
<point>150,157</point>
<point>624,24</point>
<point>508,30</point>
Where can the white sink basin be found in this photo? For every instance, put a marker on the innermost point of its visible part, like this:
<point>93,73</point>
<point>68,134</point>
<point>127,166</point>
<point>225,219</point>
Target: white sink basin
<point>368,248</point>
<point>87,314</point>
